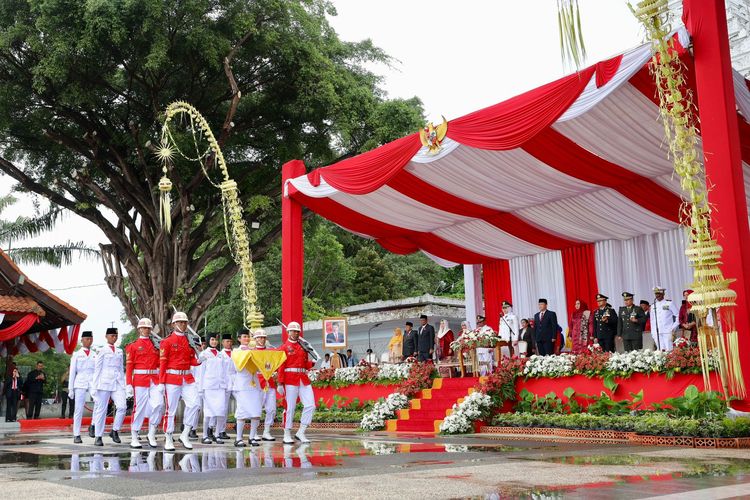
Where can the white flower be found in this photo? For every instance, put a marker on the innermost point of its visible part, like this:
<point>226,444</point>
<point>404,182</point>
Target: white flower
<point>471,409</point>
<point>382,411</point>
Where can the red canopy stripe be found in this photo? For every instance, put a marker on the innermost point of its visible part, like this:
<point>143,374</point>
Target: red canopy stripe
<point>564,155</point>
<point>414,187</point>
<point>19,327</point>
<point>511,123</point>
<point>496,289</point>
<point>605,70</point>
<point>579,270</point>
<point>392,238</point>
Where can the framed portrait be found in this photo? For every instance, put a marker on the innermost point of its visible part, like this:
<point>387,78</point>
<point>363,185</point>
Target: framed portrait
<point>334,333</point>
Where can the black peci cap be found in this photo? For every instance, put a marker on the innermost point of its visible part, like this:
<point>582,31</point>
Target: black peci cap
<point>112,331</point>
<point>87,334</point>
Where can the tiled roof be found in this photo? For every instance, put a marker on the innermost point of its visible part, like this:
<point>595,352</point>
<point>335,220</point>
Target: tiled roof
<point>10,304</point>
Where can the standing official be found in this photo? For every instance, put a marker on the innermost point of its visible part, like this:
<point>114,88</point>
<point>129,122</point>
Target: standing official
<point>294,383</point>
<point>35,381</point>
<point>142,379</point>
<point>605,324</point>
<point>12,391</point>
<point>221,422</point>
<point>109,383</point>
<point>409,346</point>
<point>425,340</point>
<point>509,327</point>
<point>630,322</point>
<point>212,386</point>
<point>545,329</point>
<point>664,317</point>
<point>268,390</point>
<point>246,393</point>
<point>80,379</point>
<point>176,358</point>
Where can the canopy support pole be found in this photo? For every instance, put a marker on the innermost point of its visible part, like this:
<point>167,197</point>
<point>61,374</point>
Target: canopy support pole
<point>706,21</point>
<point>292,249</point>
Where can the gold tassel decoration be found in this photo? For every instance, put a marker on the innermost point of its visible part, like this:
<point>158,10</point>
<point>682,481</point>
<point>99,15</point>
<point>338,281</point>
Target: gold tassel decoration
<point>712,295</point>
<point>234,222</point>
<point>165,203</point>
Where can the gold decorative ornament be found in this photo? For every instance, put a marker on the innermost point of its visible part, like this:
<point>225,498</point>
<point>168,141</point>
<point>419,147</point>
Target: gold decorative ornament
<point>234,222</point>
<point>712,297</point>
<point>432,136</point>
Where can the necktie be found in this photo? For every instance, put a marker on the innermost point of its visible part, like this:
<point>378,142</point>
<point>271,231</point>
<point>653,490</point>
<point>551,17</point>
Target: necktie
<point>86,351</point>
<point>214,351</point>
<point>541,315</point>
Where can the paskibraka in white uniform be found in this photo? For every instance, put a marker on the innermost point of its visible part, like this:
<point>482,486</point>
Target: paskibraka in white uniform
<point>109,383</point>
<point>80,378</point>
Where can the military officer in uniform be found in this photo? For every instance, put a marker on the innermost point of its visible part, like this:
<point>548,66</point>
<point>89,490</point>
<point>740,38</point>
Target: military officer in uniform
<point>294,382</point>
<point>142,378</point>
<point>509,327</point>
<point>630,322</point>
<point>212,385</point>
<point>80,378</point>
<point>605,324</point>
<point>176,358</point>
<point>109,382</point>
<point>665,321</point>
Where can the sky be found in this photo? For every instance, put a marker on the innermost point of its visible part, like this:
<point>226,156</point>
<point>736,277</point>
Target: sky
<point>456,57</point>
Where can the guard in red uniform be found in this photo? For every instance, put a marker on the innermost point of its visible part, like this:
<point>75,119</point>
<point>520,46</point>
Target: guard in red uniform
<point>177,356</point>
<point>142,379</point>
<point>293,381</point>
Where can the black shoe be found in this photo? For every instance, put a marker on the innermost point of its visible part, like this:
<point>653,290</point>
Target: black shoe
<point>224,435</point>
<point>115,436</point>
<point>91,431</point>
<point>239,444</point>
<point>254,442</point>
<point>99,442</point>
<point>218,440</point>
<point>77,440</point>
<point>193,434</point>
<point>206,440</point>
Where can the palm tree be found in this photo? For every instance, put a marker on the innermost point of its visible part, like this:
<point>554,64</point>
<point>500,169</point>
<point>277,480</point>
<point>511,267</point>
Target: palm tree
<point>29,227</point>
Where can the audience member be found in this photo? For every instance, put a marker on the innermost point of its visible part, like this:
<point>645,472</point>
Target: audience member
<point>425,340</point>
<point>443,340</point>
<point>687,319</point>
<point>581,327</point>
<point>605,324</point>
<point>326,362</point>
<point>371,357</point>
<point>351,358</point>
<point>396,346</point>
<point>630,323</point>
<point>545,329</point>
<point>525,339</point>
<point>410,342</point>
<point>35,390</point>
<point>12,395</point>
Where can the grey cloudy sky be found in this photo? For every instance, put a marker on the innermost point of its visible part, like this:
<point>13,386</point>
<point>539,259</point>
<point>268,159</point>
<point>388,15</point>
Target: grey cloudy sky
<point>455,56</point>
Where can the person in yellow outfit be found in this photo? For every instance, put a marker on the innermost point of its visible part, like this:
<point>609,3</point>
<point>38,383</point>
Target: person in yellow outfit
<point>394,346</point>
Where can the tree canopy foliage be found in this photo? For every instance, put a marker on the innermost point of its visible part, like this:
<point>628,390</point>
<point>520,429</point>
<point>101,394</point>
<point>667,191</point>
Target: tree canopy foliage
<point>82,89</point>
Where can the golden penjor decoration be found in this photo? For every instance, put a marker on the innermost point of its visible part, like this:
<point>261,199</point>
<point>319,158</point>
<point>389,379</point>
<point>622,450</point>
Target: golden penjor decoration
<point>234,223</point>
<point>432,136</point>
<point>712,297</point>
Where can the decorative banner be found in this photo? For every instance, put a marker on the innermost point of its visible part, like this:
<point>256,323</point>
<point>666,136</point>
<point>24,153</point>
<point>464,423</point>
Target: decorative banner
<point>234,222</point>
<point>265,361</point>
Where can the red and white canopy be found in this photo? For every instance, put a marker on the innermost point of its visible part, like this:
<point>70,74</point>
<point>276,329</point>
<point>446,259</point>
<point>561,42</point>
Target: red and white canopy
<point>579,160</point>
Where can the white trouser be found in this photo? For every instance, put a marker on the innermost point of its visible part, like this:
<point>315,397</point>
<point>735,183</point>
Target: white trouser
<point>194,422</point>
<point>664,341</point>
<point>100,410</point>
<point>80,402</point>
<point>269,404</point>
<point>147,401</point>
<point>306,397</point>
<point>221,421</point>
<point>189,394</point>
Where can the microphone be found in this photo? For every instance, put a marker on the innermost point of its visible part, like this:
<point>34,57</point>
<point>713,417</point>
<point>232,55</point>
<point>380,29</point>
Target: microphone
<point>377,325</point>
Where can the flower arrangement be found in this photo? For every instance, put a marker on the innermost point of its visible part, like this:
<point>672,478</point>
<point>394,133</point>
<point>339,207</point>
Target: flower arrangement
<point>479,337</point>
<point>591,363</point>
<point>420,377</point>
<point>383,410</point>
<point>355,375</point>
<point>475,406</point>
<point>549,366</point>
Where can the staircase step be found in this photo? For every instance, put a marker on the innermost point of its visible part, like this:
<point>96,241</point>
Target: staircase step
<point>416,425</point>
<point>436,414</point>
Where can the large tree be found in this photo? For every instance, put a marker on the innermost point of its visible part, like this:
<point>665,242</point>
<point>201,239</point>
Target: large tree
<point>82,89</point>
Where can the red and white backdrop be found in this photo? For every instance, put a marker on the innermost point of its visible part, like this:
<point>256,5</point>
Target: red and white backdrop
<point>570,182</point>
<point>14,340</point>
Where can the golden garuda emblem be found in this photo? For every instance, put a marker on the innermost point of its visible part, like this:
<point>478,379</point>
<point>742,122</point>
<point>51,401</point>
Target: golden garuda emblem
<point>432,136</point>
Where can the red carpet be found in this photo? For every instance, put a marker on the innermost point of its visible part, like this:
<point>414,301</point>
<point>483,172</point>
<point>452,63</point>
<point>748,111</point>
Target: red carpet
<point>62,423</point>
<point>428,410</point>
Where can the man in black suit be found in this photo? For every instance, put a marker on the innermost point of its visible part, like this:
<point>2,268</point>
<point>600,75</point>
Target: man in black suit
<point>425,339</point>
<point>35,389</point>
<point>409,345</point>
<point>545,329</point>
<point>335,337</point>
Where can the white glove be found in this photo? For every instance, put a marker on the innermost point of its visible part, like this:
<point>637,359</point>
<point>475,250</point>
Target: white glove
<point>281,389</point>
<point>71,394</point>
<point>92,393</point>
<point>160,388</point>
<point>129,391</point>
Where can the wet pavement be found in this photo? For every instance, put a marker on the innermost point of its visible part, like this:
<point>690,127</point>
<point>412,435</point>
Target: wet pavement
<point>49,465</point>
